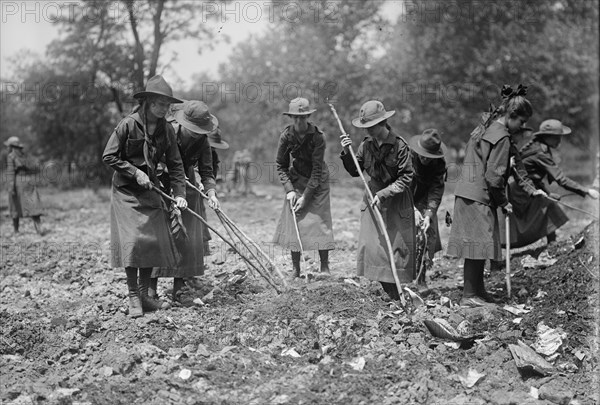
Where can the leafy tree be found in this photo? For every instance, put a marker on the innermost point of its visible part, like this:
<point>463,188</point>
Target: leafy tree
<point>91,71</point>
<point>317,56</point>
<point>452,64</point>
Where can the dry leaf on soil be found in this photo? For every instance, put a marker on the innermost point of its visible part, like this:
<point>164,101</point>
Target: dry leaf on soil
<point>472,378</point>
<point>357,363</point>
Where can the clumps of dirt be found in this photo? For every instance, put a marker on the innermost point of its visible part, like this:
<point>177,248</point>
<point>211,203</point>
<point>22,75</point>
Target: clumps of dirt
<point>324,298</point>
<point>568,289</point>
<point>316,318</point>
<point>19,335</point>
<point>563,296</point>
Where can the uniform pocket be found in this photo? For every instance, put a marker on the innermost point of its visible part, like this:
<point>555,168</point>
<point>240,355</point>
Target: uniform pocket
<point>392,160</point>
<point>134,147</point>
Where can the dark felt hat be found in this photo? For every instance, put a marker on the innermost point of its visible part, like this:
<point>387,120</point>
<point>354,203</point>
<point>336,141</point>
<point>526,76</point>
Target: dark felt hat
<point>215,140</point>
<point>194,115</point>
<point>157,86</point>
<point>428,144</point>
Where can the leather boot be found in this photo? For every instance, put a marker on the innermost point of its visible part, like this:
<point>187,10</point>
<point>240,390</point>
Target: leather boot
<point>296,263</point>
<point>480,285</point>
<point>135,305</point>
<point>177,286</point>
<point>473,276</point>
<point>324,258</point>
<point>391,289</point>
<point>153,288</point>
<point>37,223</point>
<point>148,303</point>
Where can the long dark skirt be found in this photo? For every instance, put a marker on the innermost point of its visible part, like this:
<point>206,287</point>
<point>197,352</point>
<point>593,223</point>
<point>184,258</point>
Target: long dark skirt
<point>533,218</point>
<point>139,229</point>
<point>24,200</point>
<point>192,249</point>
<point>314,221</point>
<point>372,259</point>
<point>475,233</point>
<point>202,211</point>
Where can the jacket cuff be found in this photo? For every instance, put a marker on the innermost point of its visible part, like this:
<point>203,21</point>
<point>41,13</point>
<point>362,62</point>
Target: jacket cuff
<point>288,186</point>
<point>383,194</point>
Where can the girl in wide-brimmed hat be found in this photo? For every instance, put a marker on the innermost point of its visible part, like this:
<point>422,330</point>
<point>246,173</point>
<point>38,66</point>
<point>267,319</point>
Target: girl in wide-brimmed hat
<point>385,156</point>
<point>427,188</point>
<point>192,124</point>
<point>481,190</point>
<point>305,178</point>
<point>534,218</point>
<point>23,197</point>
<point>140,233</point>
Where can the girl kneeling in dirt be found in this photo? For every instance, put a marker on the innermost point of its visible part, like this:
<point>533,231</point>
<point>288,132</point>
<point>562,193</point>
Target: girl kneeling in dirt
<point>23,197</point>
<point>305,179</point>
<point>385,156</point>
<point>192,123</point>
<point>427,188</point>
<point>140,233</point>
<point>475,234</point>
<point>534,218</point>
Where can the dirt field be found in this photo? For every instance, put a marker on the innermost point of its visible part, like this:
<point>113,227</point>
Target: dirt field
<point>66,338</point>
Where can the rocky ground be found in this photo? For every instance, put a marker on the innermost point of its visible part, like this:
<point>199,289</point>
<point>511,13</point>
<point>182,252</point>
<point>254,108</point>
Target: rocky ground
<point>66,338</point>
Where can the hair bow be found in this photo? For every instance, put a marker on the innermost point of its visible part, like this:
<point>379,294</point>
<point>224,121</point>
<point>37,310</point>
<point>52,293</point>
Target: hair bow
<point>507,92</point>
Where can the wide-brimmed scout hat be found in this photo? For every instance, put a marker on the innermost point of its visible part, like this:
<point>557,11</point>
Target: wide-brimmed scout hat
<point>215,140</point>
<point>371,113</point>
<point>552,127</point>
<point>13,141</point>
<point>299,106</point>
<point>428,144</point>
<point>157,86</point>
<point>194,115</point>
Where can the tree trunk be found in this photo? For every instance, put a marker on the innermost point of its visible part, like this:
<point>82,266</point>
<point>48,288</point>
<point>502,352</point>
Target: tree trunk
<point>158,37</point>
<point>138,74</point>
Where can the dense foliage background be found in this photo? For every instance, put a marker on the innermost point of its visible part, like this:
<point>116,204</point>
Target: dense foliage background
<point>438,64</point>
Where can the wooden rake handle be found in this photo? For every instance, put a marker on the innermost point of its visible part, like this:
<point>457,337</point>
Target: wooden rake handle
<point>378,216</point>
<point>197,216</point>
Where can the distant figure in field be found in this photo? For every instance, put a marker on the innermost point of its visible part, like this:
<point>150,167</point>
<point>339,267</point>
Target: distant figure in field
<point>23,197</point>
<point>241,163</point>
<point>538,217</point>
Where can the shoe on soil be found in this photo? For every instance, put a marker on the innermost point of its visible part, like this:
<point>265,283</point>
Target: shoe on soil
<point>135,307</point>
<point>422,287</point>
<point>153,304</point>
<point>487,297</point>
<point>473,302</point>
<point>497,265</point>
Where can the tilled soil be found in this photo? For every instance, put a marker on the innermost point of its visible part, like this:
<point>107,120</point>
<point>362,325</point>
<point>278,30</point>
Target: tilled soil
<point>66,337</point>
